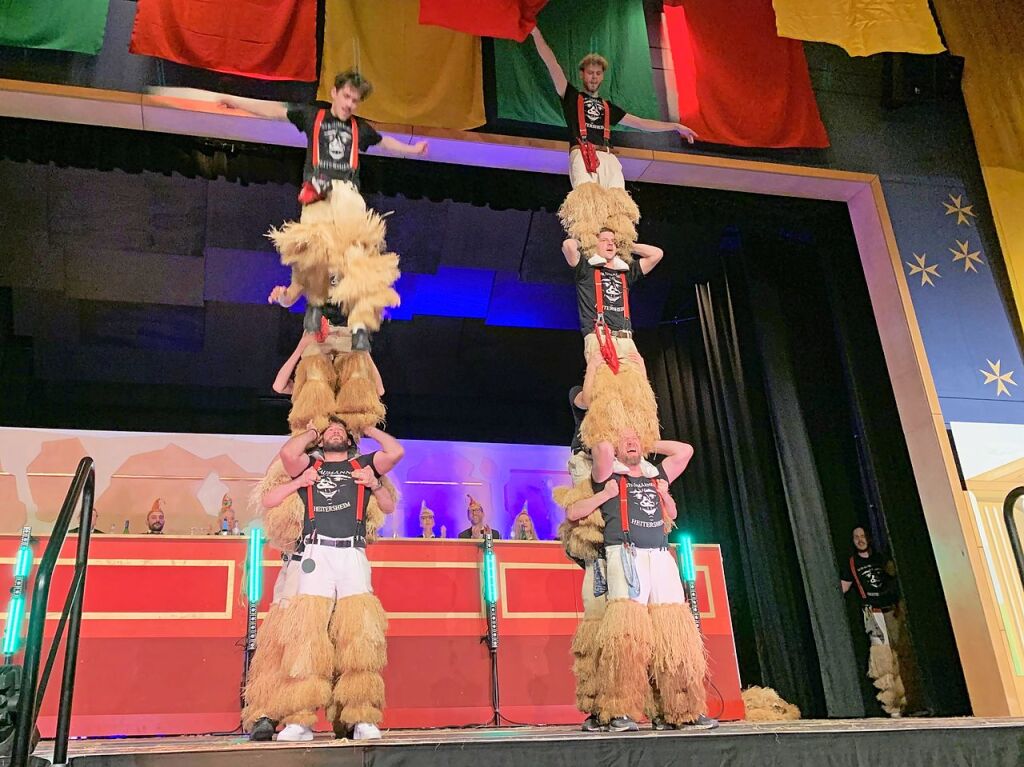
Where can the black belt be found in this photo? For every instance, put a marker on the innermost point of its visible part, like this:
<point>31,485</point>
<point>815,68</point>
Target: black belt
<point>335,543</point>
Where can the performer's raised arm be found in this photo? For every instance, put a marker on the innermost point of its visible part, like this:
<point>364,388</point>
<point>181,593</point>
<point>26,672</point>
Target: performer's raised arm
<point>677,457</point>
<point>658,126</point>
<point>548,57</point>
<point>390,453</point>
<point>649,255</point>
<point>293,453</point>
<point>604,457</point>
<point>272,110</point>
<point>571,251</point>
<point>283,382</point>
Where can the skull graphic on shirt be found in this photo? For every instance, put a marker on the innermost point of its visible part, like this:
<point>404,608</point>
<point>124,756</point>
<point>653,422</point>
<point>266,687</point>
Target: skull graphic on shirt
<point>326,487</point>
<point>339,143</point>
<point>646,500</point>
<point>593,110</point>
<point>611,286</point>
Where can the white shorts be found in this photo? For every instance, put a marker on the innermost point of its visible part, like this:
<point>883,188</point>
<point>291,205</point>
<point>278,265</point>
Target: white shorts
<point>609,170</point>
<point>334,573</point>
<point>658,574</point>
<point>287,584</point>
<point>623,346</point>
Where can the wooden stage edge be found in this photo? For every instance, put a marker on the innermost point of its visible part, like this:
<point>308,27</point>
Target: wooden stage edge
<point>877,742</point>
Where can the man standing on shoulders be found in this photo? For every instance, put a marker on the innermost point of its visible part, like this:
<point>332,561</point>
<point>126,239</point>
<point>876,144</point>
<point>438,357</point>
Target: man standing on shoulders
<point>589,118</point>
<point>603,282</point>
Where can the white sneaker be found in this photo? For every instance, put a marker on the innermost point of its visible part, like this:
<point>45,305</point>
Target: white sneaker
<point>364,731</point>
<point>295,732</point>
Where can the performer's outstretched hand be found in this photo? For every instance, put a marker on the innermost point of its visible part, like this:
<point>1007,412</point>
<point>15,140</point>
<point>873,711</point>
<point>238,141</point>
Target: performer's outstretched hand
<point>276,294</point>
<point>685,133</point>
<point>308,477</point>
<point>420,148</point>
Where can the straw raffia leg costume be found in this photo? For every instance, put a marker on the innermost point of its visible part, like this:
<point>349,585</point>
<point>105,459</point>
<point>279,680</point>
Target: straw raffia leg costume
<point>314,652</point>
<point>584,541</point>
<point>337,254</point>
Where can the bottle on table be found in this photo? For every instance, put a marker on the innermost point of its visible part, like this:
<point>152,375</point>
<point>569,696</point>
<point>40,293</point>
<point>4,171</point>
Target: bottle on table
<point>444,531</point>
<point>126,527</point>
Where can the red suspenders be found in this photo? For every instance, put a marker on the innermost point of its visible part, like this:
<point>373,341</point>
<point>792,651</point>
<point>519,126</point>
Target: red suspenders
<point>582,121</point>
<point>360,494</point>
<point>856,580</point>
<point>353,125</point>
<point>624,509</point>
<point>599,293</point>
<point>604,335</point>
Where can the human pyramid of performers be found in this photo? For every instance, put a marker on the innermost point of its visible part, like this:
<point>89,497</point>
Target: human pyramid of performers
<point>638,651</point>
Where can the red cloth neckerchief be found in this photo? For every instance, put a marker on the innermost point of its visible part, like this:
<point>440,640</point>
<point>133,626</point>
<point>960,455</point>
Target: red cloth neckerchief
<point>601,330</point>
<point>587,151</point>
<point>309,192</point>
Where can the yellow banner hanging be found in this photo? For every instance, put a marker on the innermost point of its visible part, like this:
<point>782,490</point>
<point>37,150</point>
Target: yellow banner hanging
<point>421,75</point>
<point>861,27</point>
<point>988,35</point>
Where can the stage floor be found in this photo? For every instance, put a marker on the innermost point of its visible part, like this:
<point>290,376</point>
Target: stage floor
<point>871,742</point>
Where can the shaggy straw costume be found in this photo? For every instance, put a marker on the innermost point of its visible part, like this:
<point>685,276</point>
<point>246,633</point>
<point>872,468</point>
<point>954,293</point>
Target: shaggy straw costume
<point>289,678</point>
<point>337,255</point>
<point>584,541</point>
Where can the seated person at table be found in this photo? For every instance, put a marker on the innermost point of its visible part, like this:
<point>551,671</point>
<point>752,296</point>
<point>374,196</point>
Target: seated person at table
<point>155,518</point>
<point>227,514</point>
<point>426,521</point>
<point>477,526</point>
<point>522,528</point>
<point>95,522</point>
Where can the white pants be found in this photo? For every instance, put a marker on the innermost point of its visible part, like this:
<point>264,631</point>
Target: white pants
<point>656,570</point>
<point>334,573</point>
<point>287,584</point>
<point>609,171</point>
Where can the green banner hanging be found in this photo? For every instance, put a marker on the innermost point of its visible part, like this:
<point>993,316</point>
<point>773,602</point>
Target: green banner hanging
<point>62,25</point>
<point>614,28</point>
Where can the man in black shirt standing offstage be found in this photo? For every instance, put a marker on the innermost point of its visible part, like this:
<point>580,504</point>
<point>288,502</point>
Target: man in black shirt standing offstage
<point>338,649</point>
<point>590,117</point>
<point>891,663</point>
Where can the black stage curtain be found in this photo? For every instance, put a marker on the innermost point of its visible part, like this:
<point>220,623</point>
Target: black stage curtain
<point>776,381</point>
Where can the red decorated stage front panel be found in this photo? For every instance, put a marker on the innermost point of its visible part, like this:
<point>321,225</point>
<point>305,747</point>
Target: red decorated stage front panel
<point>165,619</point>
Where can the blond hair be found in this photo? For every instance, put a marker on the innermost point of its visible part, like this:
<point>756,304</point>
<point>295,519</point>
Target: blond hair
<point>595,59</point>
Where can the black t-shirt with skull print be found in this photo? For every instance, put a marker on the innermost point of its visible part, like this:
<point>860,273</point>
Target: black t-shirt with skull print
<point>335,142</point>
<point>646,525</point>
<point>880,590</point>
<point>611,287</point>
<point>593,115</point>
<point>334,499</point>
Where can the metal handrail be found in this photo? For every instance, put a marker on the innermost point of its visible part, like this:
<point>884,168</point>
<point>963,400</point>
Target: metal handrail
<point>1011,529</point>
<point>83,487</point>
